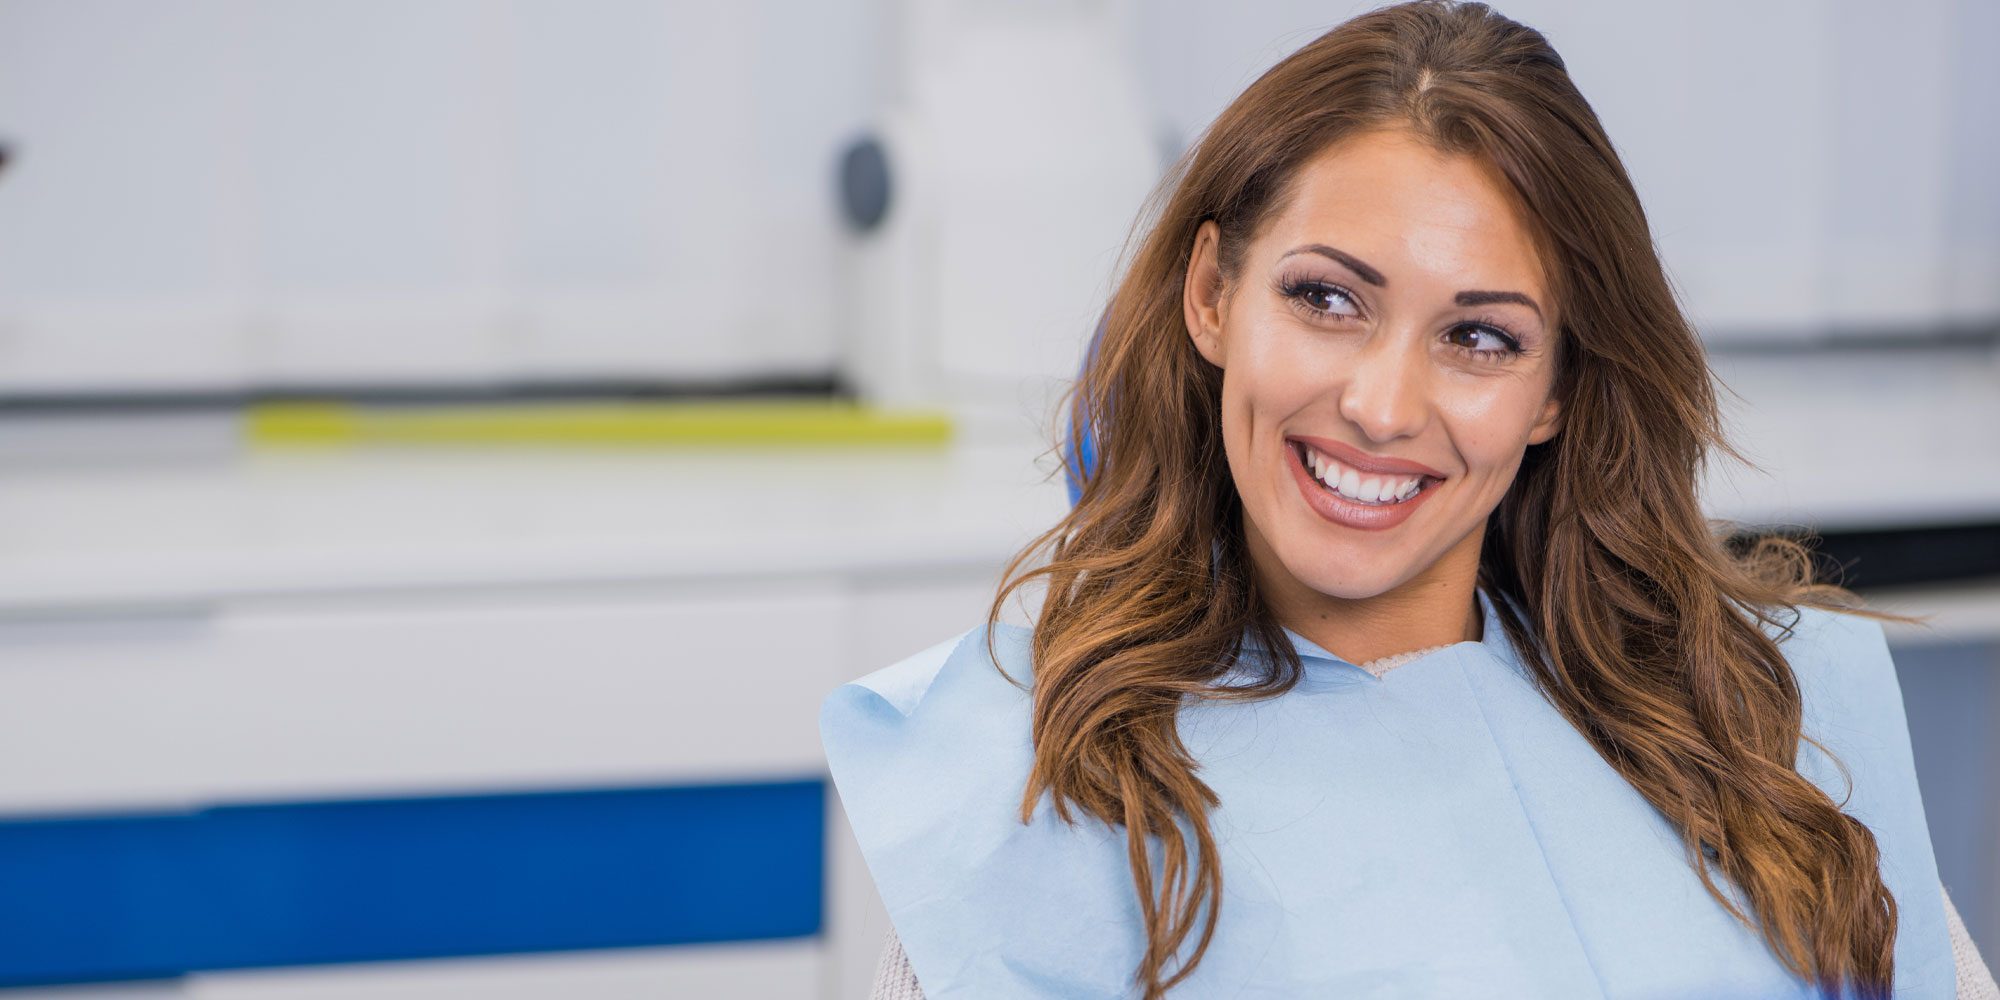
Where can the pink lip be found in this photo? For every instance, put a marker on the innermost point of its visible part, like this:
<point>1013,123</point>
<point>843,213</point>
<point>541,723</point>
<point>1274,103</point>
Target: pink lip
<point>1342,511</point>
<point>1361,461</point>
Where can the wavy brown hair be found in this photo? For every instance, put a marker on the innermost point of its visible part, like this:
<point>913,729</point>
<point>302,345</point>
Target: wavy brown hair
<point>1641,620</point>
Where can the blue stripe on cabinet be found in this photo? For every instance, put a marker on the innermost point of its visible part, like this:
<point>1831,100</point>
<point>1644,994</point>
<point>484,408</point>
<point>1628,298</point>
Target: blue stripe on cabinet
<point>149,896</point>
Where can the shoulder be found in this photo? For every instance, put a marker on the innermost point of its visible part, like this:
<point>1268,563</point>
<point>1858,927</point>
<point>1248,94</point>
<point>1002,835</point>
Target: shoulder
<point>1852,702</point>
<point>1857,749</point>
<point>1847,680</point>
<point>1832,633</point>
<point>950,715</point>
<point>930,758</point>
<point>895,692</point>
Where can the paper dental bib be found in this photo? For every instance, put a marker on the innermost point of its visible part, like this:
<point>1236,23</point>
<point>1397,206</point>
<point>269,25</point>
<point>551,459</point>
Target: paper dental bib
<point>1440,831</point>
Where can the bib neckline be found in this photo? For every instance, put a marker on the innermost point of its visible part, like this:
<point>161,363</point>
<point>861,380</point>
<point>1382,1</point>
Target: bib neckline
<point>1321,662</point>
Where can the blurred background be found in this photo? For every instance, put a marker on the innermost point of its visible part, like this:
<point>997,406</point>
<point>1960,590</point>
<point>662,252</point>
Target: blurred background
<point>448,448</point>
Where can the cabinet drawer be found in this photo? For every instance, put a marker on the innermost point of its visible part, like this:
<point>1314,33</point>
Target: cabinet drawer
<point>375,695</point>
<point>787,970</point>
<point>758,970</point>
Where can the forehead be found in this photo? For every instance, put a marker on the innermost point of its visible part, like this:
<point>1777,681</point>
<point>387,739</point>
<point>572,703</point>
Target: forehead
<point>1424,218</point>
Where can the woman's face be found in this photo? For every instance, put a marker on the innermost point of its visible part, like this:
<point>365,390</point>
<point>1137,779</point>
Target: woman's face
<point>1387,349</point>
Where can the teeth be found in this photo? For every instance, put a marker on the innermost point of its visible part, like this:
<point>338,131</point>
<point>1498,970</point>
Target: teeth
<point>1350,483</point>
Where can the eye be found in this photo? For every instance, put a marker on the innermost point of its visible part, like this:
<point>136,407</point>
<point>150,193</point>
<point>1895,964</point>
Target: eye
<point>1487,342</point>
<point>1321,299</point>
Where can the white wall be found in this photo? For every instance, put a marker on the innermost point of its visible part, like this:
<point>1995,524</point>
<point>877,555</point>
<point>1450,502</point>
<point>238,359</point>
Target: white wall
<point>221,193</point>
<point>1808,166</point>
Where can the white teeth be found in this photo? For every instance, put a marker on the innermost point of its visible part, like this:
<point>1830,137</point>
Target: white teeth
<point>1349,482</point>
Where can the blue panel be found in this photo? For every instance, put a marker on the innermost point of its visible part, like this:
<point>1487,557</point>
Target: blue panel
<point>90,898</point>
<point>112,898</point>
<point>1950,692</point>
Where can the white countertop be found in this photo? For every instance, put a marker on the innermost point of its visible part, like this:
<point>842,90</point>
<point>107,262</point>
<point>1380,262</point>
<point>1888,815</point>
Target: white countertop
<point>1845,443</point>
<point>280,523</point>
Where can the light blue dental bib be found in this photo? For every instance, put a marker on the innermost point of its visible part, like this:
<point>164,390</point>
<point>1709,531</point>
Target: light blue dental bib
<point>1441,831</point>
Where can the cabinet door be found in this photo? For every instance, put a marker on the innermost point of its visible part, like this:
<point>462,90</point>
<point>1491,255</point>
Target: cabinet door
<point>220,195</point>
<point>122,222</point>
<point>336,768</point>
<point>763,970</point>
<point>384,695</point>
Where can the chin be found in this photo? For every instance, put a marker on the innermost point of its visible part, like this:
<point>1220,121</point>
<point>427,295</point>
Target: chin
<point>1333,575</point>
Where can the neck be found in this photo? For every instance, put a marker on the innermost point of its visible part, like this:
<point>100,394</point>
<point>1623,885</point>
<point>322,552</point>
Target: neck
<point>1436,607</point>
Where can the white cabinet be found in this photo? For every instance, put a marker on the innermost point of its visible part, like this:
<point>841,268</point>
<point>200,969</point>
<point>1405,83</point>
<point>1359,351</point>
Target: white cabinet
<point>374,694</point>
<point>358,630</point>
<point>783,970</point>
<point>223,193</point>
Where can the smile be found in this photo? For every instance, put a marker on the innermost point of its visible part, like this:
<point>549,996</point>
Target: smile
<point>1355,485</point>
<point>1346,496</point>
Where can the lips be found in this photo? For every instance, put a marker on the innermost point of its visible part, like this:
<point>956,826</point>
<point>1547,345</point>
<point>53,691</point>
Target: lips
<point>1355,458</point>
<point>1352,483</point>
<point>1332,506</point>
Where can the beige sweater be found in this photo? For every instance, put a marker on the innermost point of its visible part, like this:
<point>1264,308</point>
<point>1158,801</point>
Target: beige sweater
<point>894,979</point>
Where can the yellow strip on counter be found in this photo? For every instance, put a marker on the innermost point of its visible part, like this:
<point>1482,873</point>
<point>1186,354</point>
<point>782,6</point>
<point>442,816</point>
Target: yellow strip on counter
<point>731,423</point>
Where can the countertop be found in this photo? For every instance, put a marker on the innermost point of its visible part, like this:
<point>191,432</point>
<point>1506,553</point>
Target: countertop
<point>1862,442</point>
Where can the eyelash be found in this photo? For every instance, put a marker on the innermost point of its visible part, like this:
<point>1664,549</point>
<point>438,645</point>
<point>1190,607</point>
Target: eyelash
<point>1295,289</point>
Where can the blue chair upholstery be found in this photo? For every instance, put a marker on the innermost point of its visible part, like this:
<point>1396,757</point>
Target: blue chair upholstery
<point>1080,461</point>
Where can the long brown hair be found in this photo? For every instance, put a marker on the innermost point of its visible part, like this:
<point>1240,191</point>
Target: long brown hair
<point>1642,622</point>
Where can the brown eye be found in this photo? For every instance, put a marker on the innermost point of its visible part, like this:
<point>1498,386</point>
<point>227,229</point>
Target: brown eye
<point>1483,342</point>
<point>1320,298</point>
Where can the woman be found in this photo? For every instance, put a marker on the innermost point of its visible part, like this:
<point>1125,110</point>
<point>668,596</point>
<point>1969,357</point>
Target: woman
<point>1387,651</point>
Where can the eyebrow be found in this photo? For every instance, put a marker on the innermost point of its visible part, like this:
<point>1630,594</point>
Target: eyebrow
<point>1374,277</point>
<point>1487,298</point>
<point>1368,274</point>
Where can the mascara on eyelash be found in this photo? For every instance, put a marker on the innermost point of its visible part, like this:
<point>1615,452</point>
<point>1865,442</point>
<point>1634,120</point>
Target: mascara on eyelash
<point>1293,288</point>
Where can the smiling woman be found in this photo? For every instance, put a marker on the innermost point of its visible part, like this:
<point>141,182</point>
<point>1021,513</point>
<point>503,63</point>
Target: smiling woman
<point>1396,376</point>
<point>1403,374</point>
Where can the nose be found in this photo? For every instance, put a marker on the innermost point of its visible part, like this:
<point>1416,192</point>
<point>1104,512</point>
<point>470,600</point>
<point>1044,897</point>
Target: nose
<point>1386,394</point>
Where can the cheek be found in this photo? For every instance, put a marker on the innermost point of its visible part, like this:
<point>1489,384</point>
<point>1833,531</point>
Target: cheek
<point>1270,369</point>
<point>1490,429</point>
<point>1260,388</point>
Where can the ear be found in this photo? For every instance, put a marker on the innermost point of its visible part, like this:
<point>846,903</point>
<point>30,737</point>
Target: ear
<point>1548,424</point>
<point>1201,294</point>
